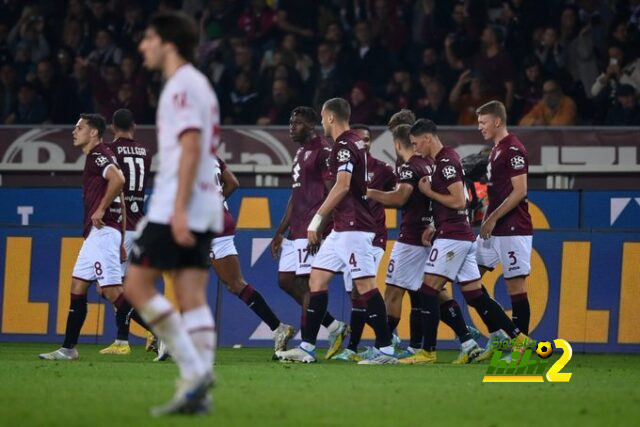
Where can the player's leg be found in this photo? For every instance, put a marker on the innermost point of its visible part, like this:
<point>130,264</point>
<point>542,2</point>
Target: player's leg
<point>515,256</point>
<point>357,321</point>
<point>415,322</point>
<point>393,303</point>
<point>228,270</point>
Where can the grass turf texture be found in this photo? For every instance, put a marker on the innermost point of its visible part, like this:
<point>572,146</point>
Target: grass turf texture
<point>252,390</point>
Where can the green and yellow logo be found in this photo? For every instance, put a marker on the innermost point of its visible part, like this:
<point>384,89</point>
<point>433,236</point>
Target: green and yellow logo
<point>522,369</point>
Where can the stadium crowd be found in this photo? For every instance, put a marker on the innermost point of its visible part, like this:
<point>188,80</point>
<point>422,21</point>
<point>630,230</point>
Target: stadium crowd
<point>552,62</point>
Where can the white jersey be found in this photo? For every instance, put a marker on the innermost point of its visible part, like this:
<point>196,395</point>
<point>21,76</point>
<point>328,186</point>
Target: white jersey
<point>187,102</point>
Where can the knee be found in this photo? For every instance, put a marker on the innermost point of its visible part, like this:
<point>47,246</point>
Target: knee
<point>285,281</point>
<point>112,293</point>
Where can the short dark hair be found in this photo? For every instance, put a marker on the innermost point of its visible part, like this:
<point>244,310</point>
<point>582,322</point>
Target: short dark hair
<point>179,29</point>
<point>123,119</point>
<point>361,127</point>
<point>401,133</point>
<point>95,121</point>
<point>308,114</point>
<point>402,117</point>
<point>422,126</point>
<point>495,108</point>
<point>339,107</point>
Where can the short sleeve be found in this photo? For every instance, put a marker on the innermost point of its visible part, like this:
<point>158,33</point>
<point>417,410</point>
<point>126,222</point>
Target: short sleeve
<point>406,175</point>
<point>186,111</point>
<point>450,172</point>
<point>100,163</point>
<point>344,158</point>
<point>517,162</point>
<point>222,165</point>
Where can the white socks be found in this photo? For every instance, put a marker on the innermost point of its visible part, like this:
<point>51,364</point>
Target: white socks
<point>169,327</point>
<point>333,327</point>
<point>201,327</point>
<point>307,346</point>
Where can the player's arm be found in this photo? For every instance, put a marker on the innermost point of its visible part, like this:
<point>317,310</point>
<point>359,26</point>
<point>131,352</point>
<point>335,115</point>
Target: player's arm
<point>187,168</point>
<point>229,182</point>
<point>335,196</point>
<point>454,200</point>
<point>393,199</point>
<point>519,192</point>
<point>276,243</point>
<point>115,182</point>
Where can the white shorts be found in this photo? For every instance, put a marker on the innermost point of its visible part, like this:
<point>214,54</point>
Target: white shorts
<point>129,238</point>
<point>99,257</point>
<point>378,253</point>
<point>303,258</point>
<point>406,265</point>
<point>454,260</point>
<point>288,258</point>
<point>513,252</point>
<point>351,250</point>
<point>222,247</point>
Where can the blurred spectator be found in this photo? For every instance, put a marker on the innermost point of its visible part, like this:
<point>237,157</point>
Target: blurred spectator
<point>495,66</point>
<point>299,17</point>
<point>555,109</point>
<point>626,111</point>
<point>258,22</point>
<point>105,52</point>
<point>74,38</point>
<point>465,104</point>
<point>550,52</point>
<point>364,108</point>
<point>8,92</point>
<point>29,31</point>
<point>343,51</point>
<point>82,88</point>
<point>399,93</point>
<point>529,87</point>
<point>301,61</point>
<point>388,25</point>
<point>328,80</point>
<point>433,105</point>
<point>100,18</point>
<point>371,63</point>
<point>426,20</point>
<point>243,101</point>
<point>64,61</point>
<point>217,20</point>
<point>5,50</point>
<point>277,109</point>
<point>22,63</point>
<point>131,29</point>
<point>580,53</point>
<point>30,108</point>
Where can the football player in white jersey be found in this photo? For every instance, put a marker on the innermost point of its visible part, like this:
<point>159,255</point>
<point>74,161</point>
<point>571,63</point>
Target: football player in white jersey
<point>184,212</point>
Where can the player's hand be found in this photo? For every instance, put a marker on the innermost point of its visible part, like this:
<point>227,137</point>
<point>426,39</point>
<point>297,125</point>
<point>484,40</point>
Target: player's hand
<point>312,237</point>
<point>276,245</point>
<point>180,230</point>
<point>96,219</point>
<point>123,253</point>
<point>425,185</point>
<point>313,249</point>
<point>487,228</point>
<point>427,235</point>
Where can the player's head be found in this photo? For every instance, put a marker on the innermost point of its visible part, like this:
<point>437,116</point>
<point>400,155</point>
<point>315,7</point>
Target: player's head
<point>335,112</point>
<point>88,130</point>
<point>364,133</point>
<point>302,123</point>
<point>122,121</point>
<point>402,117</point>
<point>402,141</point>
<point>424,137</point>
<point>169,34</point>
<point>492,118</point>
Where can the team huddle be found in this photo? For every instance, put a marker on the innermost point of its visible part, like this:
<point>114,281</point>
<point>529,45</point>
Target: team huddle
<point>334,224</point>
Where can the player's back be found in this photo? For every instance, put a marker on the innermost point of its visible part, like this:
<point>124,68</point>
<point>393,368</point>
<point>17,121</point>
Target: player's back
<point>380,176</point>
<point>135,162</point>
<point>309,172</point>
<point>450,223</point>
<point>416,213</point>
<point>508,159</point>
<point>187,103</point>
<point>353,212</point>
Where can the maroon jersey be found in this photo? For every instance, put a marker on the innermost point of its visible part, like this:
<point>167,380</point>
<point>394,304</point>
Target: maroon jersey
<point>229,223</point>
<point>135,163</point>
<point>380,177</point>
<point>353,212</point>
<point>508,159</point>
<point>416,213</point>
<point>450,223</point>
<point>94,185</point>
<point>309,172</point>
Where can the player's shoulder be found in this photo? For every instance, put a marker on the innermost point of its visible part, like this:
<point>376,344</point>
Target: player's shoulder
<point>447,156</point>
<point>188,79</point>
<point>513,143</point>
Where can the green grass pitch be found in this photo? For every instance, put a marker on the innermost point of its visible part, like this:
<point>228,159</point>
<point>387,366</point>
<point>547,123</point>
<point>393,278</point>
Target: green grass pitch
<point>255,391</point>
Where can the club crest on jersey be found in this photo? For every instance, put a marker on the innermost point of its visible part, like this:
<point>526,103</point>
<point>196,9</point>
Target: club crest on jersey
<point>517,162</point>
<point>344,155</point>
<point>449,172</point>
<point>101,160</point>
